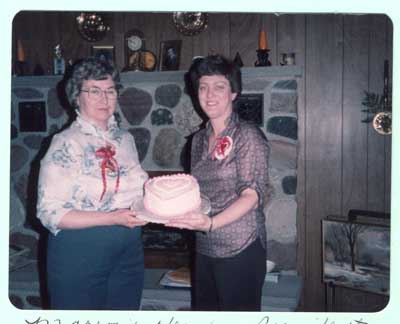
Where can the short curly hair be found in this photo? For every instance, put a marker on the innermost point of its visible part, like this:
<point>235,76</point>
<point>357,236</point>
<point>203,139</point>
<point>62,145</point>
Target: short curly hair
<point>90,68</point>
<point>213,65</point>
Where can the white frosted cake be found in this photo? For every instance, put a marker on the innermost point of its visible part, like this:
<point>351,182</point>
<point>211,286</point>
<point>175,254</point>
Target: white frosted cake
<point>171,195</point>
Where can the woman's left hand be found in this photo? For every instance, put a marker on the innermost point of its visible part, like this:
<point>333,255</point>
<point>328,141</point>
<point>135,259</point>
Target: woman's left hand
<point>193,221</point>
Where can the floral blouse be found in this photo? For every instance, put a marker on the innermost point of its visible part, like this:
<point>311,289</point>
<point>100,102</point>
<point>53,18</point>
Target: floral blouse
<point>76,172</point>
<point>222,175</point>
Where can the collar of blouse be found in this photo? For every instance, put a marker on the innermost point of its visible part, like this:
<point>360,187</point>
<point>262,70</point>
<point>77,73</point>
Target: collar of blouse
<point>92,129</point>
<point>232,121</point>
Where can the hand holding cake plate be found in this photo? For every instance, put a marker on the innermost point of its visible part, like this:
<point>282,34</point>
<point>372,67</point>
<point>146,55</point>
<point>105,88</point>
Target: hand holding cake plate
<point>148,216</point>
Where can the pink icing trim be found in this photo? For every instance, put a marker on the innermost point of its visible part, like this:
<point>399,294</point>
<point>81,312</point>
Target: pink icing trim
<point>175,195</point>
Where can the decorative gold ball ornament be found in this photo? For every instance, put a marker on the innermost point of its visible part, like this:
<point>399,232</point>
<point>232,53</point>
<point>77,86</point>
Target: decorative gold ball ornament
<point>92,26</point>
<point>190,23</point>
<point>382,122</point>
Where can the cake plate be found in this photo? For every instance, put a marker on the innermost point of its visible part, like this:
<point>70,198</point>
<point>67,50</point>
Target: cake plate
<point>144,214</point>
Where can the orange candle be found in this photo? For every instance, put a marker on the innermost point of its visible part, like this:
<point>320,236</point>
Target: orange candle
<point>262,40</point>
<point>20,52</point>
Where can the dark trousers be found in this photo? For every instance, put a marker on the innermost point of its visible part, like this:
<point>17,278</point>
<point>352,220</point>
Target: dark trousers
<point>99,268</point>
<point>230,284</point>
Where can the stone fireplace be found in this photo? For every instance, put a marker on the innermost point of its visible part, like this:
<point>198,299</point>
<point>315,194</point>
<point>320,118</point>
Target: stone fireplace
<point>154,107</point>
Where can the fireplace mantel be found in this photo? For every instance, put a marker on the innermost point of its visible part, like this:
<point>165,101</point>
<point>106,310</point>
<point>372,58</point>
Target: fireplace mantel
<point>274,72</point>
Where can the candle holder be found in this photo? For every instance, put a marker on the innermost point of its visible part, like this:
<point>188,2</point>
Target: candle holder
<point>262,55</point>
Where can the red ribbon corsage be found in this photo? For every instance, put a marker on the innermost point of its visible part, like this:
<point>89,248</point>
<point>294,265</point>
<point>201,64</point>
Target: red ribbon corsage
<point>108,162</point>
<point>222,148</point>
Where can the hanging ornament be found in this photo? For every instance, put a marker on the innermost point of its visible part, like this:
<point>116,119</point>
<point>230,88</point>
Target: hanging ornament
<point>382,122</point>
<point>190,23</point>
<point>92,26</point>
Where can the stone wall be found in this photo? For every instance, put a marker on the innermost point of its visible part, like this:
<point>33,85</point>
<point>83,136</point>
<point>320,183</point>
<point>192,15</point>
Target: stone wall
<point>154,107</point>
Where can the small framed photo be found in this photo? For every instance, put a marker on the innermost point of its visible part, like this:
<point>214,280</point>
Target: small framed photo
<point>104,52</point>
<point>170,55</point>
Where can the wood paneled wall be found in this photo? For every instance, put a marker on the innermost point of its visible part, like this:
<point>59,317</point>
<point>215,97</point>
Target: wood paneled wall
<point>343,163</point>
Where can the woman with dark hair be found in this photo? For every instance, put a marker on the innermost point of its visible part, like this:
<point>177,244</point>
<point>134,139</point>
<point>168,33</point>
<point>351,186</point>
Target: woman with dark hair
<point>88,180</point>
<point>229,158</point>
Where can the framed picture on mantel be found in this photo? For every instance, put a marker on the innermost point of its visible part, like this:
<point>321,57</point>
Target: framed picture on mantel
<point>170,55</point>
<point>104,52</point>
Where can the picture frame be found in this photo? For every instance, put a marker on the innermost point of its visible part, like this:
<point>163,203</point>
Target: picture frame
<point>104,52</point>
<point>170,55</point>
<point>356,255</point>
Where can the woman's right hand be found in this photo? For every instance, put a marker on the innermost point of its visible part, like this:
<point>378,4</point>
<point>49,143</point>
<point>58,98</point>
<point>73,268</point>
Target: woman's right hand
<point>192,221</point>
<point>126,217</point>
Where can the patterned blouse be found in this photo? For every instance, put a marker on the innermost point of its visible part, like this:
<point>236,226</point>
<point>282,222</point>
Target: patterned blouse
<point>72,175</point>
<point>222,181</point>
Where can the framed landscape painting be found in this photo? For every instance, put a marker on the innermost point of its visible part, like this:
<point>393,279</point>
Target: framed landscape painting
<point>356,255</point>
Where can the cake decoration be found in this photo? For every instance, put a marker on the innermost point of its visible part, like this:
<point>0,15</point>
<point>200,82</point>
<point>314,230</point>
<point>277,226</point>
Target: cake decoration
<point>171,195</point>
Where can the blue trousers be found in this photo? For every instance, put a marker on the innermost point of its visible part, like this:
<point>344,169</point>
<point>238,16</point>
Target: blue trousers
<point>230,284</point>
<point>98,268</point>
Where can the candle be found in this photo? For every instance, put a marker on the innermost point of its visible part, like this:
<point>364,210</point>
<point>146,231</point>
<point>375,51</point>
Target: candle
<point>20,52</point>
<point>262,41</point>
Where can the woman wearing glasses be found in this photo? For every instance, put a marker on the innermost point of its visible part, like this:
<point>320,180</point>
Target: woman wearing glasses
<point>88,179</point>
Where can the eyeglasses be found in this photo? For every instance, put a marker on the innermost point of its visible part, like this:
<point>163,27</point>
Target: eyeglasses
<point>97,94</point>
